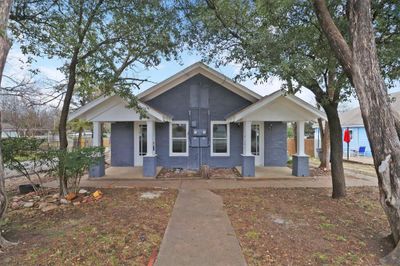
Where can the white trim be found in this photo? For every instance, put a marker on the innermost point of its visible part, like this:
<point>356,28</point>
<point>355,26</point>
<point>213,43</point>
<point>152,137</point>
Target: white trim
<point>80,111</point>
<point>195,69</point>
<point>138,158</point>
<point>240,116</point>
<point>93,111</point>
<point>228,139</point>
<point>260,157</point>
<point>177,154</point>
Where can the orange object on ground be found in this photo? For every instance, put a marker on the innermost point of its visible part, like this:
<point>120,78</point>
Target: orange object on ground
<point>97,194</point>
<point>152,258</point>
<point>70,196</point>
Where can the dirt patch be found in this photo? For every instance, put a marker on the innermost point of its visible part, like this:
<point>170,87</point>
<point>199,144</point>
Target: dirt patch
<point>178,173</point>
<point>307,227</point>
<point>224,173</point>
<point>212,172</point>
<point>13,183</point>
<point>316,171</point>
<point>120,229</point>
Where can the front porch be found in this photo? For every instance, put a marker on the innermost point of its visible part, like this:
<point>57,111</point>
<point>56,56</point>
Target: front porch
<point>125,173</point>
<point>136,173</point>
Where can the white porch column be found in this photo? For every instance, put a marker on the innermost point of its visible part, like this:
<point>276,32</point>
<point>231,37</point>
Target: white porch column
<point>96,140</point>
<point>150,137</point>
<point>300,138</point>
<point>247,138</point>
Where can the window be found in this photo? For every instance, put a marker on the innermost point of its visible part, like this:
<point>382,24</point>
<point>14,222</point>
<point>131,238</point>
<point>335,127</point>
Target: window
<point>142,140</point>
<point>178,142</point>
<point>255,139</point>
<point>219,138</point>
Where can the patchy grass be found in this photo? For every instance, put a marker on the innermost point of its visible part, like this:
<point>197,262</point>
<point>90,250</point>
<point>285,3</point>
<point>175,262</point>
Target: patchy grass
<point>120,229</point>
<point>306,227</point>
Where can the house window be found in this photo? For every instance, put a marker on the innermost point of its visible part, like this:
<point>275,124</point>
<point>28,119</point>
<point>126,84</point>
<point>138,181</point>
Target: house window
<point>219,138</point>
<point>142,140</point>
<point>178,144</point>
<point>255,139</point>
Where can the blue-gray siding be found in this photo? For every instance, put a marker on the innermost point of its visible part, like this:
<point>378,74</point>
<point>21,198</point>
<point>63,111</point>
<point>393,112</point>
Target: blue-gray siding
<point>275,142</point>
<point>122,151</point>
<point>198,100</point>
<point>359,139</point>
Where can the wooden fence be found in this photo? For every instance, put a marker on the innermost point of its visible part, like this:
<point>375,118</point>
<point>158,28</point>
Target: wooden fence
<point>308,146</point>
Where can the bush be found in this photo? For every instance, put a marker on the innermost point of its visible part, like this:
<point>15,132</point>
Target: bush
<point>25,156</point>
<point>72,165</point>
<point>30,158</point>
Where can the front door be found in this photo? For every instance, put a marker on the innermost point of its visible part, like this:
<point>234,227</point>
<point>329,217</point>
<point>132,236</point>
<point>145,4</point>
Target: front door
<point>140,135</point>
<point>257,142</point>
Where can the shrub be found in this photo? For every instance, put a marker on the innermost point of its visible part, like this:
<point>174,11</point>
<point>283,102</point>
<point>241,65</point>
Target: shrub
<point>72,165</point>
<point>25,156</point>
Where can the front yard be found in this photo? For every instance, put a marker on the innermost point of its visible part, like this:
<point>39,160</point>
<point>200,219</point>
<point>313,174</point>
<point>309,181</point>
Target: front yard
<point>122,228</point>
<point>306,227</point>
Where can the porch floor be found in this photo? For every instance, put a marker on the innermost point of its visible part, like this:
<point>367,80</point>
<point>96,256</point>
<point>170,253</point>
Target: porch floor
<point>269,172</point>
<point>124,173</point>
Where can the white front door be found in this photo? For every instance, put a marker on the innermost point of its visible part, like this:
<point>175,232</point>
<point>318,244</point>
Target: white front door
<point>140,146</point>
<point>257,142</point>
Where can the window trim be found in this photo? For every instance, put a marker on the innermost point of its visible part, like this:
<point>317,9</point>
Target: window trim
<point>228,139</point>
<point>175,154</point>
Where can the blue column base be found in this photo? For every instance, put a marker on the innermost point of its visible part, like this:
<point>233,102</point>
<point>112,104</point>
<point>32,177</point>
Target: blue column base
<point>150,166</point>
<point>98,170</point>
<point>248,166</point>
<point>300,166</point>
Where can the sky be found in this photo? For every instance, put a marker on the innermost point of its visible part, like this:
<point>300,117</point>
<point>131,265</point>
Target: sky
<point>17,67</point>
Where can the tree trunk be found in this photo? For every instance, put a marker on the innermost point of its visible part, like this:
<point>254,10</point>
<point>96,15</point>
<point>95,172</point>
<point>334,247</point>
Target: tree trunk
<point>5,45</point>
<point>80,137</point>
<point>325,145</point>
<point>62,130</point>
<point>362,66</point>
<point>336,154</point>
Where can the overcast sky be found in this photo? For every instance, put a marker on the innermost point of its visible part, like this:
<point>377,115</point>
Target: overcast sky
<point>17,67</point>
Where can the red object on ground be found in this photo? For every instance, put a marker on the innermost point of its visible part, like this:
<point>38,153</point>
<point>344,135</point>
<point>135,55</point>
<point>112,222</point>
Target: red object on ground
<point>347,136</point>
<point>153,258</point>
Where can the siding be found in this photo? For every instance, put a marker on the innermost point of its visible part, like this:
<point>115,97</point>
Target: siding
<point>359,139</point>
<point>122,151</point>
<point>275,142</point>
<point>198,100</point>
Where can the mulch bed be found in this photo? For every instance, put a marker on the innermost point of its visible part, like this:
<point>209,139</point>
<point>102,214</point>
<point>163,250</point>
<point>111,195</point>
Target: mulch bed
<point>304,226</point>
<point>122,228</point>
<point>178,173</point>
<point>213,173</point>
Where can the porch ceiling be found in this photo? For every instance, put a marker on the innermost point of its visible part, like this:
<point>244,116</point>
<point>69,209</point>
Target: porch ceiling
<point>278,107</point>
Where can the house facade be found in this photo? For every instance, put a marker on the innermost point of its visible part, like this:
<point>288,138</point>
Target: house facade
<point>200,117</point>
<point>352,120</point>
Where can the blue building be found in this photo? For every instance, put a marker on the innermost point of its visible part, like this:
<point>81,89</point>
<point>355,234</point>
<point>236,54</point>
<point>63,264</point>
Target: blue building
<point>353,121</point>
<point>200,117</point>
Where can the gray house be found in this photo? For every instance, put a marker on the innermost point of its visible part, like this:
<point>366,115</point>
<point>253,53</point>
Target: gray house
<point>200,117</point>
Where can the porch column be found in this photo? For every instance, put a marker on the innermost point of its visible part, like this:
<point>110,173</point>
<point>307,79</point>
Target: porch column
<point>150,160</point>
<point>97,170</point>
<point>248,159</point>
<point>300,159</point>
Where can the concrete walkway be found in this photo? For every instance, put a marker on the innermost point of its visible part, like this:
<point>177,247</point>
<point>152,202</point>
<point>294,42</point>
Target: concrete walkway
<point>199,233</point>
<point>293,182</point>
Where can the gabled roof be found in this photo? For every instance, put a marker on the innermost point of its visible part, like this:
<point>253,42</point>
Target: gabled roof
<point>195,69</point>
<point>113,108</point>
<point>171,82</point>
<point>278,107</point>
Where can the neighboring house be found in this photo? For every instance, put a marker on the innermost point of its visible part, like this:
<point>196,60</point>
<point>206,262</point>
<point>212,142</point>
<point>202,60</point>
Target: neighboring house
<point>8,131</point>
<point>353,121</point>
<point>200,117</point>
